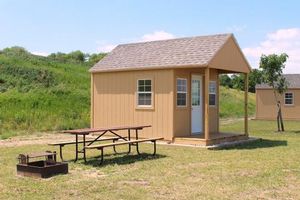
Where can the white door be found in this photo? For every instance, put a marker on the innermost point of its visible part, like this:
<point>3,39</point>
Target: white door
<point>196,98</point>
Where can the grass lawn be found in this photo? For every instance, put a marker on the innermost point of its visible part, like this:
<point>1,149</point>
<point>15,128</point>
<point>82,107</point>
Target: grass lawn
<point>269,169</point>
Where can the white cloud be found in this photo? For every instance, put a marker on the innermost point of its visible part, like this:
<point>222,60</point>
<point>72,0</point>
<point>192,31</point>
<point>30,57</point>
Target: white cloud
<point>156,35</point>
<point>236,28</point>
<point>280,41</point>
<point>106,48</point>
<point>40,53</point>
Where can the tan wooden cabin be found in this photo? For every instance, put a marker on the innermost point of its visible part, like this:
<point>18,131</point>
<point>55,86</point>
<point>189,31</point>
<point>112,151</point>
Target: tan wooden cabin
<point>172,85</point>
<point>266,107</point>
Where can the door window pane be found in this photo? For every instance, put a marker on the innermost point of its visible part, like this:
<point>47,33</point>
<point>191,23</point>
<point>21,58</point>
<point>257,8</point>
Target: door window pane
<point>195,92</point>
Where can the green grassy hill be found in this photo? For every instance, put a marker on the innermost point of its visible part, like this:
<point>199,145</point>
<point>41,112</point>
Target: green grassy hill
<point>42,94</point>
<point>232,103</point>
<point>39,93</point>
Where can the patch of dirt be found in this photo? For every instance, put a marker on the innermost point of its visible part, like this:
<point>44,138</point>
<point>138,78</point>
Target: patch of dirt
<point>87,173</point>
<point>232,120</point>
<point>135,182</point>
<point>41,138</point>
<point>247,173</point>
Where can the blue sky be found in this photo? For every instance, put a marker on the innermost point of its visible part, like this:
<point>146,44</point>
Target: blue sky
<point>91,26</point>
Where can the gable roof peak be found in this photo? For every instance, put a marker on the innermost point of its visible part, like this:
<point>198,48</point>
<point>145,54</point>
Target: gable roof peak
<point>179,52</point>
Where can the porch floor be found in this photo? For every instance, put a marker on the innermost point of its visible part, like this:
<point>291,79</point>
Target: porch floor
<point>215,138</point>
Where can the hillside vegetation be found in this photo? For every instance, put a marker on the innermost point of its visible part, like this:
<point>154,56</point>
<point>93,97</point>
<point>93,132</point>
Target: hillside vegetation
<point>232,103</point>
<point>53,93</point>
<point>40,93</point>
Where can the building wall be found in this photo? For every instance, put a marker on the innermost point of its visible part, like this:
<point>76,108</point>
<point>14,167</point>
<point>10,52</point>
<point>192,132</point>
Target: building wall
<point>266,106</point>
<point>114,101</point>
<point>182,115</point>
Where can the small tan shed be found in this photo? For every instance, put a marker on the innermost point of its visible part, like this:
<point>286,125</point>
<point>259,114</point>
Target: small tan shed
<point>172,85</point>
<point>266,107</point>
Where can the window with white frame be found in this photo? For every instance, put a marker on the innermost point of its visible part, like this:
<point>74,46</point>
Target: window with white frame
<point>288,98</point>
<point>144,93</point>
<point>212,93</point>
<point>181,92</point>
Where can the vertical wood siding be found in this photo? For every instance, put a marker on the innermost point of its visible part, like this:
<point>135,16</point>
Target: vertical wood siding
<point>266,106</point>
<point>114,101</point>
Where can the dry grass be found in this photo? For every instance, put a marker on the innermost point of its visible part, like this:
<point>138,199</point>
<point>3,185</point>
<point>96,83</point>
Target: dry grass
<point>269,169</point>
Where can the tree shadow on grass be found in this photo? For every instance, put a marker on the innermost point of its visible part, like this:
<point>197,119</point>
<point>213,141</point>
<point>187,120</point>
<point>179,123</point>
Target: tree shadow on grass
<point>263,143</point>
<point>296,132</point>
<point>122,159</point>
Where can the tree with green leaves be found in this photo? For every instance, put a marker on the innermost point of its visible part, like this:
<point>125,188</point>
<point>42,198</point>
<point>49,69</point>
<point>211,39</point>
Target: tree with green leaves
<point>255,77</point>
<point>225,80</point>
<point>272,74</point>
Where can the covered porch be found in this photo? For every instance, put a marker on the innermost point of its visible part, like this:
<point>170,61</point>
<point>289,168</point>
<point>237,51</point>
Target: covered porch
<point>211,134</point>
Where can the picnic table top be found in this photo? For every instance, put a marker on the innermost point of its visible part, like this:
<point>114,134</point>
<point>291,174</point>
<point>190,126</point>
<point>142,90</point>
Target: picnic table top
<point>87,131</point>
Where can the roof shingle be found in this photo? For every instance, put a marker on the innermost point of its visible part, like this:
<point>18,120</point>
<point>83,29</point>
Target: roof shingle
<point>190,51</point>
<point>292,79</point>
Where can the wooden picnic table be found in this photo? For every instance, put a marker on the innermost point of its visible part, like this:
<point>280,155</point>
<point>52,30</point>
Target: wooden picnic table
<point>102,132</point>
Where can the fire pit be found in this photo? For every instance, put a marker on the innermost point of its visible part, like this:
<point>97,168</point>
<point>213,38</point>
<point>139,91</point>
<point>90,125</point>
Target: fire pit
<point>42,168</point>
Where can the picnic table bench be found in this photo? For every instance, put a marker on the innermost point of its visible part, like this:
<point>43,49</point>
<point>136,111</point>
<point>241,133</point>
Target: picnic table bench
<point>131,142</point>
<point>63,143</point>
<point>87,144</point>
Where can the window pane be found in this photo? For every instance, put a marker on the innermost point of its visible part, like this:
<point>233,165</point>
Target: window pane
<point>141,82</point>
<point>195,93</point>
<point>144,98</point>
<point>141,88</point>
<point>147,82</point>
<point>288,95</point>
<point>148,88</point>
<point>288,98</point>
<point>181,99</point>
<point>212,99</point>
<point>212,87</point>
<point>181,85</point>
<point>289,101</point>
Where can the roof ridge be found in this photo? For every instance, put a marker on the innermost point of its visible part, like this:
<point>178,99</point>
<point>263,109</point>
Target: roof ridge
<point>179,38</point>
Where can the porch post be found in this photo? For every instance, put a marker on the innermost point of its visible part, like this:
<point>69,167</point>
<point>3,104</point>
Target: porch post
<point>206,104</point>
<point>246,104</point>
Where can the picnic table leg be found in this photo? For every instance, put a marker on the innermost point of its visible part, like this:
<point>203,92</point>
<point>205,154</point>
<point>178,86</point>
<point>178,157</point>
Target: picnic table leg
<point>76,146</point>
<point>114,147</point>
<point>83,149</point>
<point>60,152</point>
<point>137,144</point>
<point>129,138</point>
<point>154,152</point>
<point>101,156</point>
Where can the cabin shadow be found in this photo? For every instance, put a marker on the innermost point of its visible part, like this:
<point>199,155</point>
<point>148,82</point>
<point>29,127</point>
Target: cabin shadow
<point>263,143</point>
<point>122,159</point>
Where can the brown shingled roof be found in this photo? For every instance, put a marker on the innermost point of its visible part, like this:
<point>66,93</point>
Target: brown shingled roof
<point>293,81</point>
<point>181,52</point>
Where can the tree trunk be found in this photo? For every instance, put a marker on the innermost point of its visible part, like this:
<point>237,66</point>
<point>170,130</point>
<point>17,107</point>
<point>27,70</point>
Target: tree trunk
<point>281,120</point>
<point>278,123</point>
<point>280,126</point>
